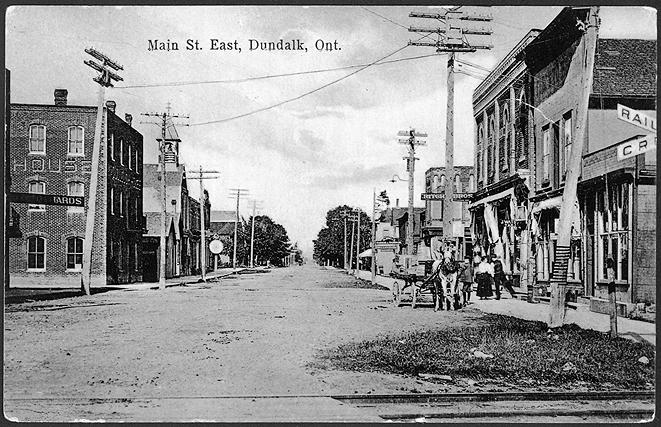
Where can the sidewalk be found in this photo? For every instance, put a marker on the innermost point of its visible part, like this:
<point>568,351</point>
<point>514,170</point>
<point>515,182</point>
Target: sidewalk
<point>627,328</point>
<point>50,292</point>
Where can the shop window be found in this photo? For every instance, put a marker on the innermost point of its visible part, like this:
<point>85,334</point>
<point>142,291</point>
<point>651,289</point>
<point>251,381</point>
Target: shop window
<point>37,187</point>
<point>36,253</point>
<point>613,231</point>
<point>37,144</point>
<point>76,141</point>
<point>74,254</point>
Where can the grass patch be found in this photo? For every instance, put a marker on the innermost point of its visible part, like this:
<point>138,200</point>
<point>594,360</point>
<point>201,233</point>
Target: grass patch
<point>524,355</point>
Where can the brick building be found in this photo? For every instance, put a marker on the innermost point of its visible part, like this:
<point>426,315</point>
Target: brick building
<point>502,161</point>
<point>51,151</point>
<point>615,212</point>
<point>432,228</point>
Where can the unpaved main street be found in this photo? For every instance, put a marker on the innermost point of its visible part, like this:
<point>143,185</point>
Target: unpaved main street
<point>148,355</point>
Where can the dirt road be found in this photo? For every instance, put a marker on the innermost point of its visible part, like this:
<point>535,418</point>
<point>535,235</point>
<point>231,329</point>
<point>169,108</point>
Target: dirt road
<point>149,355</point>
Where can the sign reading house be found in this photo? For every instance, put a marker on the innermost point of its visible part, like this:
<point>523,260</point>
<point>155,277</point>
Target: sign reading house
<point>46,199</point>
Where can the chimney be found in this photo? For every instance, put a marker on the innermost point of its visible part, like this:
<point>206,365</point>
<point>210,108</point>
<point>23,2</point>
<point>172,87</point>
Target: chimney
<point>396,203</point>
<point>128,119</point>
<point>61,96</point>
<point>111,106</point>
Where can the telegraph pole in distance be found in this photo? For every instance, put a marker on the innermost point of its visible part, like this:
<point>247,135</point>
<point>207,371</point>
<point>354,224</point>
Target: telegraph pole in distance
<point>412,141</point>
<point>238,192</point>
<point>104,79</point>
<point>163,122</point>
<point>451,39</point>
<point>558,280</point>
<point>252,234</point>
<point>203,246</point>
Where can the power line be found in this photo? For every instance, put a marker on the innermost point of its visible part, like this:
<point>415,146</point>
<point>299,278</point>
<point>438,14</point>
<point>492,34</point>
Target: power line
<point>387,19</point>
<point>270,76</point>
<point>286,101</point>
<point>479,67</point>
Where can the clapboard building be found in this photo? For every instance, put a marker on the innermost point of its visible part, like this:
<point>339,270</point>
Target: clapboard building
<point>51,153</point>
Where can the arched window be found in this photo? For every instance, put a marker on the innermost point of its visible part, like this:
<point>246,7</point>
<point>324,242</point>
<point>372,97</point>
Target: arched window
<point>76,188</point>
<point>457,184</point>
<point>435,183</point>
<point>471,182</point>
<point>37,142</point>
<point>76,144</point>
<point>36,253</point>
<point>442,180</point>
<point>37,187</point>
<point>74,254</point>
<point>121,151</point>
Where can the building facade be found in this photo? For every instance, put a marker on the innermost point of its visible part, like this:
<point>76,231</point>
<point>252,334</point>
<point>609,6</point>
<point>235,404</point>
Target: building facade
<point>51,152</point>
<point>502,163</point>
<point>432,228</point>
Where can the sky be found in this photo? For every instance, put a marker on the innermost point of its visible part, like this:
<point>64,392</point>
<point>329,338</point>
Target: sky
<point>301,158</point>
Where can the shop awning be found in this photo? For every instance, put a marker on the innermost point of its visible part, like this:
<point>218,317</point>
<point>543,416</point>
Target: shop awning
<point>365,254</point>
<point>552,203</point>
<point>493,197</point>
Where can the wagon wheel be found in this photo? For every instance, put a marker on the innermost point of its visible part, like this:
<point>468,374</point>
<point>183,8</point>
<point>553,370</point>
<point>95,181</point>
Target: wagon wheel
<point>396,294</point>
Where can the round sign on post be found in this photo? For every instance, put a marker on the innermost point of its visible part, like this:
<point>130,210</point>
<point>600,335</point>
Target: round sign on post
<point>216,247</point>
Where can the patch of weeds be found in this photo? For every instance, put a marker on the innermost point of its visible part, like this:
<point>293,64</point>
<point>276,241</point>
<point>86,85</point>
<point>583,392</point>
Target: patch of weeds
<point>523,354</point>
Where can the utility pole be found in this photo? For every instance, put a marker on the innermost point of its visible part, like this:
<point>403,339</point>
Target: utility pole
<point>451,39</point>
<point>104,79</point>
<point>252,234</point>
<point>558,280</point>
<point>412,141</point>
<point>373,265</point>
<point>203,246</point>
<point>351,220</point>
<point>357,271</point>
<point>344,259</point>
<point>163,122</point>
<point>238,192</point>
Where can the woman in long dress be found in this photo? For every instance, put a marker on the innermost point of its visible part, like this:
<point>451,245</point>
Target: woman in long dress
<point>484,279</point>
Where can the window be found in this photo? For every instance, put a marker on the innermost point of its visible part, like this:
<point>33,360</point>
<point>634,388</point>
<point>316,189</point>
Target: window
<point>506,132</point>
<point>36,253</point>
<point>484,165</point>
<point>442,180</point>
<point>37,187</point>
<point>121,151</point>
<point>457,184</point>
<point>74,254</point>
<point>76,144</point>
<point>567,141</point>
<point>136,161</point>
<point>613,227</point>
<point>37,139</point>
<point>471,182</point>
<point>76,188</point>
<point>546,157</point>
<point>111,146</point>
<point>129,156</point>
<point>112,201</point>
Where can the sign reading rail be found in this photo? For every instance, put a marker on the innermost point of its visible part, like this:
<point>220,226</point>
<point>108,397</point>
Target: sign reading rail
<point>636,118</point>
<point>46,199</point>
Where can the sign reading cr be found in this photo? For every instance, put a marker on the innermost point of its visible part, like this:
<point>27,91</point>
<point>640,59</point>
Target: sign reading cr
<point>635,146</point>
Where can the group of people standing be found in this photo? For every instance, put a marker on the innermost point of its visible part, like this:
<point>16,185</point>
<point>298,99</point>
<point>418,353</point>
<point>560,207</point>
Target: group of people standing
<point>454,281</point>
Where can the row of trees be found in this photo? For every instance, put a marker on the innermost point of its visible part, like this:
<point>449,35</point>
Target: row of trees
<point>271,242</point>
<point>329,244</point>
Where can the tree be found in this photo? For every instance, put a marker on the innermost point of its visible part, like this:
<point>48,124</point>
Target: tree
<point>329,244</point>
<point>271,242</point>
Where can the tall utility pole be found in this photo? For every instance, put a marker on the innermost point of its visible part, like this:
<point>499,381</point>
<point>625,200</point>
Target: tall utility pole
<point>351,220</point>
<point>252,234</point>
<point>164,118</point>
<point>451,39</point>
<point>412,141</point>
<point>562,250</point>
<point>344,259</point>
<point>238,192</point>
<point>357,270</point>
<point>203,246</point>
<point>104,79</point>
<point>373,265</point>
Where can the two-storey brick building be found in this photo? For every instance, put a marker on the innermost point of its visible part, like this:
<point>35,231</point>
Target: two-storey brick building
<point>614,216</point>
<point>51,152</point>
<point>502,162</point>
